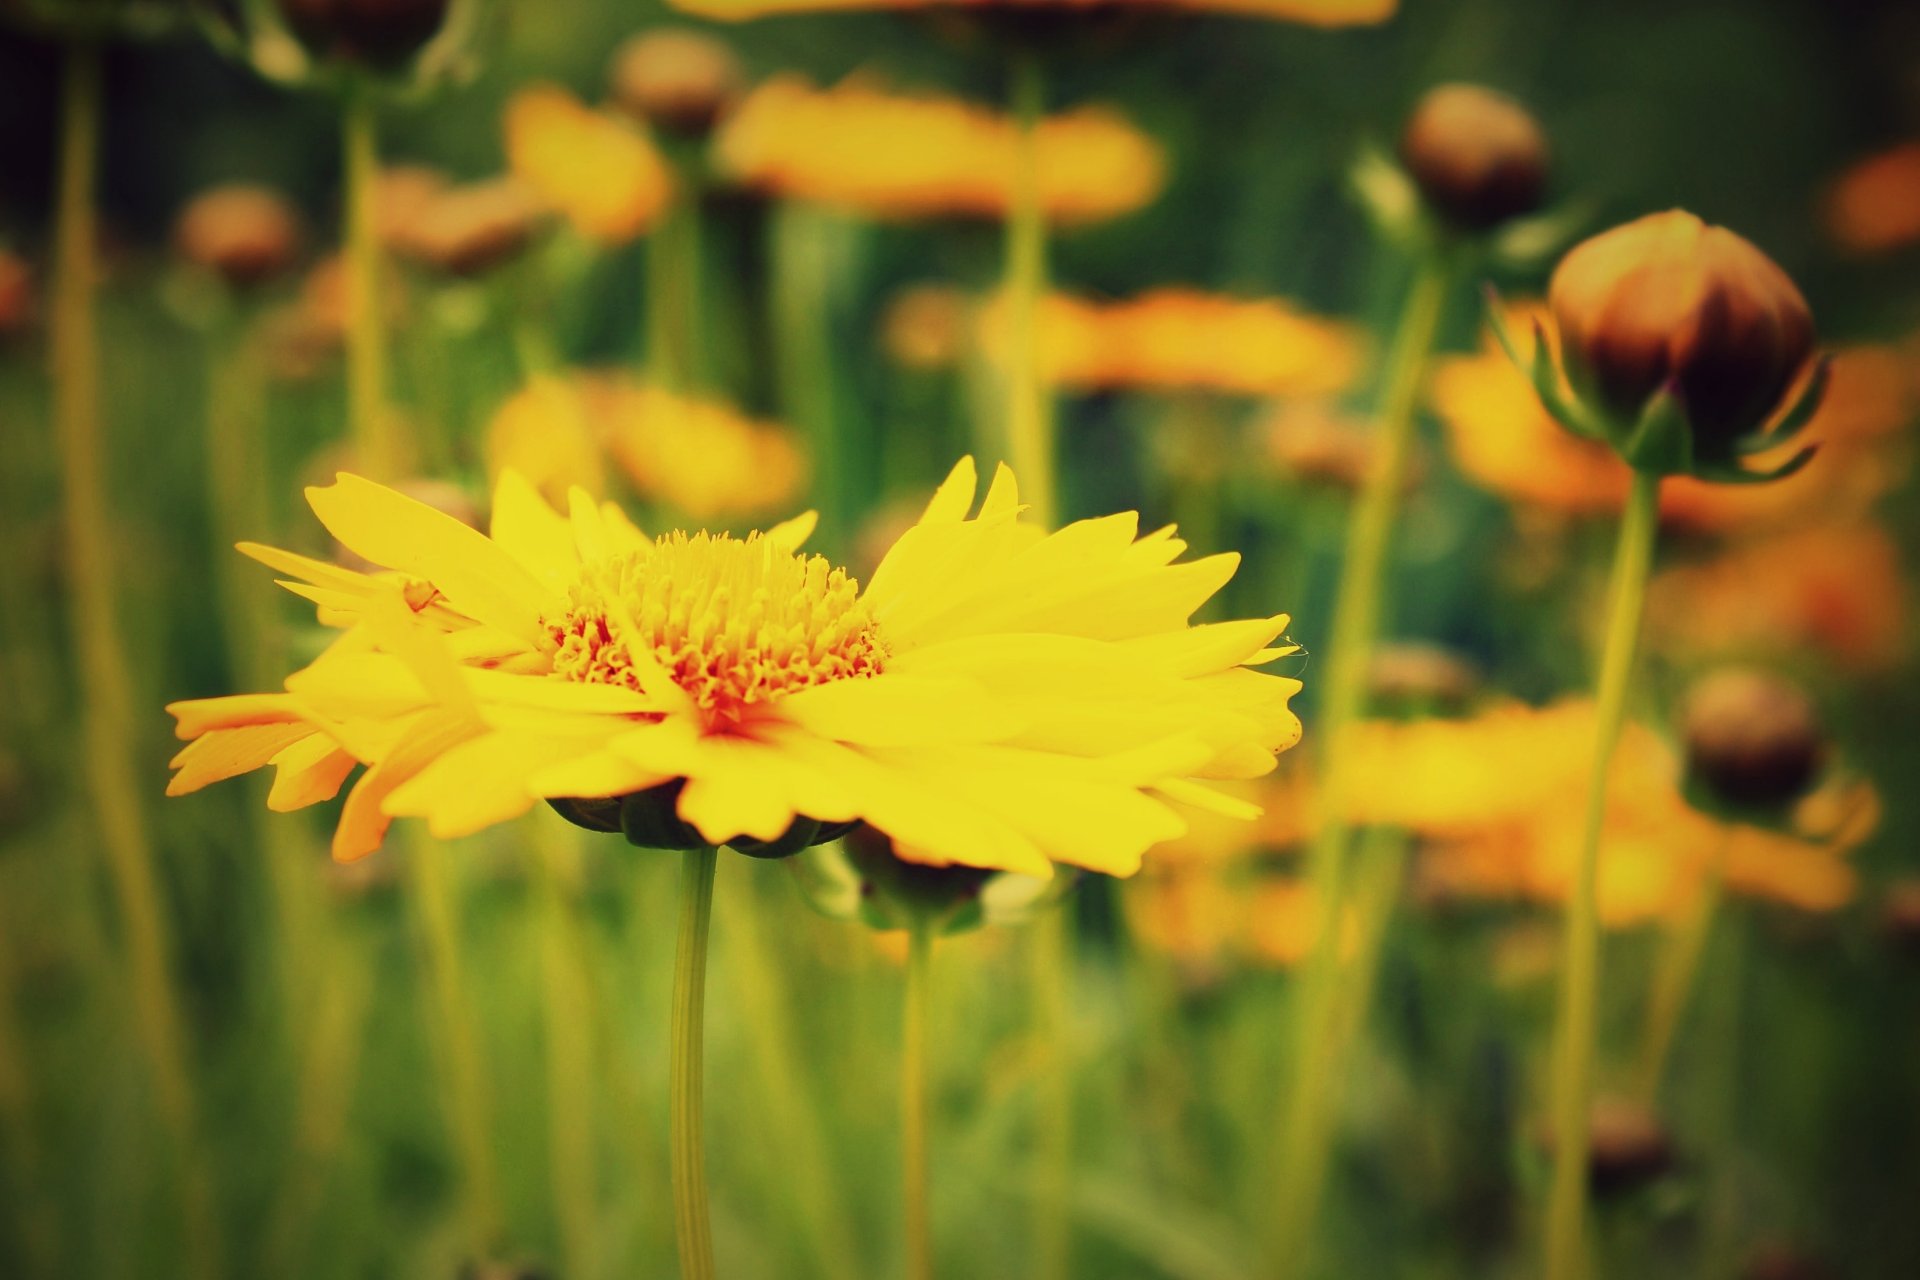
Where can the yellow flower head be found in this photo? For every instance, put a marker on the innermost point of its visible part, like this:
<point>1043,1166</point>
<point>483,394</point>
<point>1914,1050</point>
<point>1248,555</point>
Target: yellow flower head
<point>1181,339</point>
<point>1313,13</point>
<point>547,432</point>
<point>1874,207</point>
<point>996,695</point>
<point>596,169</point>
<point>889,155</point>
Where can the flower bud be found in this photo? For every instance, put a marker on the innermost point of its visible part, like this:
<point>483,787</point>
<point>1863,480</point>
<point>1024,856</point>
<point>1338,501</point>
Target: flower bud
<point>16,294</point>
<point>469,230</point>
<point>1778,1260</point>
<point>1900,914</point>
<point>681,81</point>
<point>1477,156</point>
<point>1668,303</point>
<point>1421,678</point>
<point>1753,741</point>
<point>382,34</point>
<point>897,894</point>
<point>246,235</point>
<point>1627,1146</point>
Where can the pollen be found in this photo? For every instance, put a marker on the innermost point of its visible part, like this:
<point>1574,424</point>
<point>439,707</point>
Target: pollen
<point>735,623</point>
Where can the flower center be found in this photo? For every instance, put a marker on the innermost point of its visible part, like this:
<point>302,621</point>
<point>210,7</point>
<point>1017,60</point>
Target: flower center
<point>734,623</point>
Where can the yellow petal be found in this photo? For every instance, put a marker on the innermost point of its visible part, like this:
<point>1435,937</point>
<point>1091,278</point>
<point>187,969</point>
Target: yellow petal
<point>226,753</point>
<point>532,532</point>
<point>898,710</point>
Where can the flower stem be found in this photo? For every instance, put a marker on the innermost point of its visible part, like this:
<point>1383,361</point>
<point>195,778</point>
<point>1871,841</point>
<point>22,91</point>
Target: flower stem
<point>692,1229</point>
<point>376,451</point>
<point>1029,442</point>
<point>913,1102</point>
<point>108,719</point>
<point>674,354</point>
<point>803,302</point>
<point>1050,951</point>
<point>1305,1131</point>
<point>1675,977</point>
<point>1578,1018</point>
<point>568,1018</point>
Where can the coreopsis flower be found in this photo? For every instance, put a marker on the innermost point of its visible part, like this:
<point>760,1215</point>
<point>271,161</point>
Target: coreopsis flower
<point>1680,344</point>
<point>1178,339</point>
<point>997,695</point>
<point>470,229</point>
<point>1316,13</point>
<point>1477,157</point>
<point>1753,741</point>
<point>245,235</point>
<point>862,148</point>
<point>1312,441</point>
<point>1874,207</point>
<point>594,168</point>
<point>549,434</point>
<point>681,81</point>
<point>1838,590</point>
<point>1506,442</point>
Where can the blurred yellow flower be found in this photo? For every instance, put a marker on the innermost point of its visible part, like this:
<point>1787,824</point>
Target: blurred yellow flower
<point>998,695</point>
<point>1874,206</point>
<point>699,457</point>
<point>1314,13</point>
<point>890,155</point>
<point>1177,339</point>
<point>1505,442</point>
<point>594,168</point>
<point>1835,589</point>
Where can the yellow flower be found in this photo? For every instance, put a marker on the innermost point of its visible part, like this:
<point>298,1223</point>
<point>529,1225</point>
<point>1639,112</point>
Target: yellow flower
<point>1874,207</point>
<point>996,696</point>
<point>596,169</point>
<point>545,432</point>
<point>1181,339</point>
<point>1313,13</point>
<point>1505,442</point>
<point>891,155</point>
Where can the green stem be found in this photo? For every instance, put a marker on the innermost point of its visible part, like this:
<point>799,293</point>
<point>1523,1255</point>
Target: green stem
<point>108,716</point>
<point>1050,953</point>
<point>1676,976</point>
<point>802,301</point>
<point>686,1138</point>
<point>1355,630</point>
<point>1578,1017</point>
<point>437,918</point>
<point>568,1013</point>
<point>674,350</point>
<point>913,1102</point>
<point>376,450</point>
<point>1029,421</point>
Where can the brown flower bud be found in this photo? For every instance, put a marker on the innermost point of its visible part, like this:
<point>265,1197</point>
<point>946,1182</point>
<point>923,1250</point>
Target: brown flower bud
<point>16,294</point>
<point>1477,156</point>
<point>1667,301</point>
<point>1627,1146</point>
<point>1900,914</point>
<point>679,80</point>
<point>469,230</point>
<point>1421,677</point>
<point>246,235</point>
<point>382,34</point>
<point>1777,1260</point>
<point>1753,740</point>
<point>926,326</point>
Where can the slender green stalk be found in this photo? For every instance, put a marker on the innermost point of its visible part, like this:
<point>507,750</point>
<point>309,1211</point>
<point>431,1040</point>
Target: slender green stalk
<point>108,718</point>
<point>806,1174</point>
<point>1029,422</point>
<point>436,915</point>
<point>568,1012</point>
<point>1676,975</point>
<point>377,451</point>
<point>1355,629</point>
<point>19,1137</point>
<point>1578,1017</point>
<point>674,354</point>
<point>692,1227</point>
<point>1050,977</point>
<point>802,291</point>
<point>913,1102</point>
<point>1720,1081</point>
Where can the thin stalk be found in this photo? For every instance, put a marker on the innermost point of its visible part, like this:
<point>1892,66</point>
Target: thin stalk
<point>108,718</point>
<point>376,450</point>
<point>913,1102</point>
<point>568,1012</point>
<point>674,355</point>
<point>1676,976</point>
<point>1050,954</point>
<point>436,919</point>
<point>692,1227</point>
<point>38,1224</point>
<point>1578,1017</point>
<point>1029,421</point>
<point>806,1175</point>
<point>1720,1242</point>
<point>1355,630</point>
<point>801,298</point>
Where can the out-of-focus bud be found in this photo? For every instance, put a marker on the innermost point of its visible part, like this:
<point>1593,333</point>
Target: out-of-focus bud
<point>1681,342</point>
<point>469,230</point>
<point>1313,442</point>
<point>677,79</point>
<point>1422,678</point>
<point>1477,156</point>
<point>16,295</point>
<point>1627,1146</point>
<point>402,192</point>
<point>1778,1260</point>
<point>382,34</point>
<point>246,235</point>
<point>1900,914</point>
<point>1753,740</point>
<point>927,326</point>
